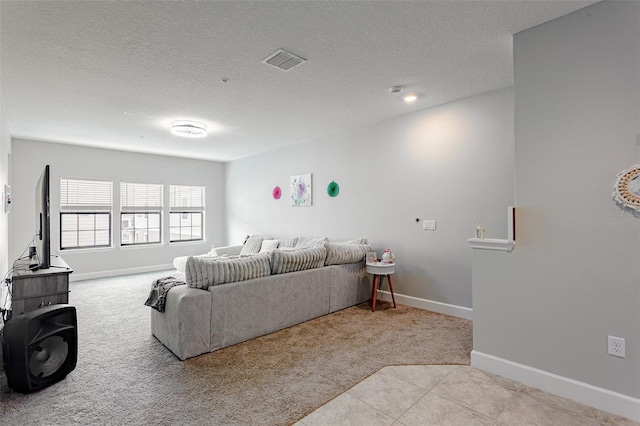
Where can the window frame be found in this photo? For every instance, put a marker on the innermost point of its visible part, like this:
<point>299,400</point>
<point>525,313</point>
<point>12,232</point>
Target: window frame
<point>83,207</point>
<point>79,247</point>
<point>176,207</point>
<point>141,209</point>
<point>180,227</point>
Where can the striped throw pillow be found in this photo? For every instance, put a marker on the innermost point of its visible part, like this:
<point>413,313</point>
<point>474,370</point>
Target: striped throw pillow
<point>252,245</point>
<point>339,254</point>
<point>204,272</point>
<point>361,240</point>
<point>297,260</point>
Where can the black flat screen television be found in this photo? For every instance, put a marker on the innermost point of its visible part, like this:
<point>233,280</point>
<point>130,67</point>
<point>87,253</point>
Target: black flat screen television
<point>43,221</point>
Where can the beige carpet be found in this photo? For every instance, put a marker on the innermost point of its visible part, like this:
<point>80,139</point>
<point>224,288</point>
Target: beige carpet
<point>124,375</point>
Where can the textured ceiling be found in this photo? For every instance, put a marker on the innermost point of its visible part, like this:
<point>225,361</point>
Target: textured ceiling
<point>115,74</point>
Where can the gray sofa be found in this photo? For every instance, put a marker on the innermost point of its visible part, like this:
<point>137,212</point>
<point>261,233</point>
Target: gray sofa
<point>201,320</point>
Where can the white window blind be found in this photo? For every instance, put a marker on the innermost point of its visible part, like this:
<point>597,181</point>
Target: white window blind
<point>85,195</point>
<point>186,198</point>
<point>140,197</point>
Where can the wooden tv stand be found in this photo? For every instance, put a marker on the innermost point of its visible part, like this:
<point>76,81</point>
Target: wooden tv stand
<point>42,287</point>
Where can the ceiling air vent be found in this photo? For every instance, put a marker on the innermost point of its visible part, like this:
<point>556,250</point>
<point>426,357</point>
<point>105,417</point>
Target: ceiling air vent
<point>283,60</point>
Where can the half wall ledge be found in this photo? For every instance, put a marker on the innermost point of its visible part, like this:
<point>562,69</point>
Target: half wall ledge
<point>491,244</point>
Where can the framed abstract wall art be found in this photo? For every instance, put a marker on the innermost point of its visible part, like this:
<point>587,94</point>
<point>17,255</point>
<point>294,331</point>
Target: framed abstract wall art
<point>300,190</point>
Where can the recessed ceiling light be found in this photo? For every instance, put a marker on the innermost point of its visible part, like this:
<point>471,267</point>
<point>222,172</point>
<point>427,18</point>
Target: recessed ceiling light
<point>188,129</point>
<point>410,98</point>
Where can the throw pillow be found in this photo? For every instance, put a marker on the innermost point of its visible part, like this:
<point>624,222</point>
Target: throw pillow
<point>289,242</point>
<point>306,242</point>
<point>253,245</point>
<point>204,272</point>
<point>269,245</point>
<point>339,254</point>
<point>361,240</point>
<point>297,260</point>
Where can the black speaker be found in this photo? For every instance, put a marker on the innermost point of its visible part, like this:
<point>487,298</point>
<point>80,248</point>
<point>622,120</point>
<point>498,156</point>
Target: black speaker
<point>40,347</point>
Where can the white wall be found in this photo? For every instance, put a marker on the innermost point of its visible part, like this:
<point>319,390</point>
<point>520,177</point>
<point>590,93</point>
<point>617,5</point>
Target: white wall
<point>5,151</point>
<point>573,276</point>
<point>453,163</point>
<point>28,161</point>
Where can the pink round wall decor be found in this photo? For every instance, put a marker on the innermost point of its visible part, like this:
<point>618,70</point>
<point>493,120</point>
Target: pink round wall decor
<point>277,193</point>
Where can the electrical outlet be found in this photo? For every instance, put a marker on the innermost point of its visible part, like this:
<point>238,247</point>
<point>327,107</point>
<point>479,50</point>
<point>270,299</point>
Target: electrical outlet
<point>429,225</point>
<point>616,346</point>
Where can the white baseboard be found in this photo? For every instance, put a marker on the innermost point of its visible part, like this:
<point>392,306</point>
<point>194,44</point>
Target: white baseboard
<point>429,305</point>
<point>600,398</point>
<point>117,272</point>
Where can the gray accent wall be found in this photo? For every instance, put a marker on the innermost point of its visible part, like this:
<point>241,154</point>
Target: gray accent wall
<point>573,277</point>
<point>28,161</point>
<point>452,163</point>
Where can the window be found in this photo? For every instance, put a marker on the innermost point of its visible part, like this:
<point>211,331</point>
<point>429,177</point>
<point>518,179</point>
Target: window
<point>186,216</point>
<point>140,213</point>
<point>85,213</point>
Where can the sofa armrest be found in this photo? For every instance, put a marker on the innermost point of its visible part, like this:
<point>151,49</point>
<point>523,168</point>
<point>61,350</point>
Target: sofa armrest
<point>184,327</point>
<point>230,250</point>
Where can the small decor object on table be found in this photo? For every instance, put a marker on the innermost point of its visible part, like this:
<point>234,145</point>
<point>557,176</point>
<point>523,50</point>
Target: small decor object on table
<point>480,230</point>
<point>388,256</point>
<point>371,257</point>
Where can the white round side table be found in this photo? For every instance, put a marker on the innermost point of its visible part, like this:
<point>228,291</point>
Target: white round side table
<point>380,270</point>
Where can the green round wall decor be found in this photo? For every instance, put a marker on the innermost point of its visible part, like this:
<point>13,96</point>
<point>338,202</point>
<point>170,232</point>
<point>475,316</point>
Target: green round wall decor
<point>333,189</point>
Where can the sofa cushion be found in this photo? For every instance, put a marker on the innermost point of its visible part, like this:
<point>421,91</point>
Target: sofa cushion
<point>361,240</point>
<point>339,254</point>
<point>204,272</point>
<point>298,260</point>
<point>180,262</point>
<point>288,248</point>
<point>307,242</point>
<point>269,245</point>
<point>252,245</point>
<point>289,242</point>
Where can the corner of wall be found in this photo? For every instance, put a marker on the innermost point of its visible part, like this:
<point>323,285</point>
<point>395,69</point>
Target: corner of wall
<point>5,151</point>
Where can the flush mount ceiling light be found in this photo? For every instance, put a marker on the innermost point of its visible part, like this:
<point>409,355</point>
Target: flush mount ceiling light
<point>188,129</point>
<point>410,98</point>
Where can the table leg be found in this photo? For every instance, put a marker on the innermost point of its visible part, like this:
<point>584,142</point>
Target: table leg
<point>391,289</point>
<point>374,293</point>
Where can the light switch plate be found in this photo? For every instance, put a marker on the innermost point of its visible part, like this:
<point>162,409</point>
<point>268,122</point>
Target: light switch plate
<point>6,198</point>
<point>429,225</point>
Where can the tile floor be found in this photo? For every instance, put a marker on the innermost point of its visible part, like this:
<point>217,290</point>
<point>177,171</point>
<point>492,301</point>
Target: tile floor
<point>452,395</point>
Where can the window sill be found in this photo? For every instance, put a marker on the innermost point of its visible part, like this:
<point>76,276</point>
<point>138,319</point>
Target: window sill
<point>143,246</point>
<point>491,244</point>
<point>188,243</point>
<point>62,252</point>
